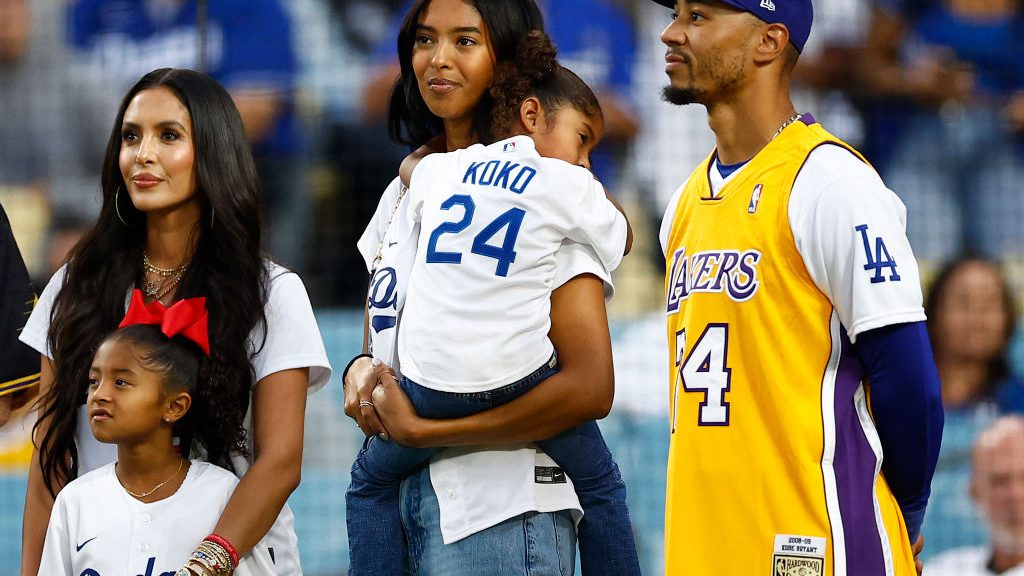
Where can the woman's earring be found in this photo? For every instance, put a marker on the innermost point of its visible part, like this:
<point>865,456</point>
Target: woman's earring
<point>213,212</point>
<point>117,206</point>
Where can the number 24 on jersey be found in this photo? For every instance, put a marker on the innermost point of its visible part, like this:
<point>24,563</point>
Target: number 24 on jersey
<point>704,369</point>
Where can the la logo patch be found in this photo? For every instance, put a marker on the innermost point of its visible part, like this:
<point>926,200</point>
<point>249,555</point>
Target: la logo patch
<point>878,257</point>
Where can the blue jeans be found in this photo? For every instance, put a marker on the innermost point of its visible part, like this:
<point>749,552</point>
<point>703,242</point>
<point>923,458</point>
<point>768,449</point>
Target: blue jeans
<point>376,543</point>
<point>529,544</point>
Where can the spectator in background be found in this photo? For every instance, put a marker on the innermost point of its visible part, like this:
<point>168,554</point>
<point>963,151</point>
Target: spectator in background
<point>19,364</point>
<point>247,47</point>
<point>971,320</point>
<point>948,75</point>
<point>51,137</point>
<point>352,146</point>
<point>997,488</point>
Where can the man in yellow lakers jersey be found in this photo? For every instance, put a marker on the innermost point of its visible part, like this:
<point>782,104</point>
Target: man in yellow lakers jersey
<point>806,415</point>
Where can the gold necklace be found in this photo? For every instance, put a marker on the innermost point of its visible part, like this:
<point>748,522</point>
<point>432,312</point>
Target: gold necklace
<point>380,255</point>
<point>166,272</point>
<point>387,229</point>
<point>155,488</point>
<point>789,121</point>
<point>159,288</point>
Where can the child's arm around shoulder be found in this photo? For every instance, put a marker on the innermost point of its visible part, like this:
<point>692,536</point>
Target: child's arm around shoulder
<point>629,227</point>
<point>413,159</point>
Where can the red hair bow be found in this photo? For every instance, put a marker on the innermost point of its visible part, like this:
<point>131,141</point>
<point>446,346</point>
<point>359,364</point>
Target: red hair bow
<point>186,318</point>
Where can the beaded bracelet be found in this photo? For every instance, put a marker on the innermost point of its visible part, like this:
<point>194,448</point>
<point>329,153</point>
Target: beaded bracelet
<point>216,553</point>
<point>223,542</point>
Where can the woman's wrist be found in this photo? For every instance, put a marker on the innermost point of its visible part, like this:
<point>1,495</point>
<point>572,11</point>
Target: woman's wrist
<point>356,358</point>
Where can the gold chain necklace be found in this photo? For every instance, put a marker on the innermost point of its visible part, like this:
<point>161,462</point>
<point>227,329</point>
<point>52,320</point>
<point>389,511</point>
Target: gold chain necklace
<point>785,124</point>
<point>166,272</point>
<point>155,488</point>
<point>387,228</point>
<point>160,288</point>
<point>379,256</point>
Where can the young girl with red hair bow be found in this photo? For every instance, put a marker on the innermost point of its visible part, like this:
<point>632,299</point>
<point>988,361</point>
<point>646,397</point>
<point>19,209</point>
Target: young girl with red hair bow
<point>144,513</point>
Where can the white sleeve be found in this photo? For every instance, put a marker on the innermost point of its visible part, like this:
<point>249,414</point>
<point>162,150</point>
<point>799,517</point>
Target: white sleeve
<point>850,231</point>
<point>293,338</point>
<point>668,218</point>
<point>34,334</point>
<point>573,258</point>
<point>56,557</point>
<point>596,221</point>
<point>369,242</point>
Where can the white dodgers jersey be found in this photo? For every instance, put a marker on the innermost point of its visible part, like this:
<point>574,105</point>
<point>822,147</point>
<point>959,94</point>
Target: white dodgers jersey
<point>491,219</point>
<point>98,529</point>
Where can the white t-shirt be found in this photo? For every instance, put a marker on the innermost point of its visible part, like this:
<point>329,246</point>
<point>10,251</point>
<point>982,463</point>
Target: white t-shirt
<point>293,341</point>
<point>467,499</point>
<point>96,527</point>
<point>479,299</point>
<point>968,561</point>
<point>837,191</point>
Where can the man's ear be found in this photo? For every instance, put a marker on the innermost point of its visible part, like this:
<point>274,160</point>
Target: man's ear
<point>529,114</point>
<point>773,44</point>
<point>177,406</point>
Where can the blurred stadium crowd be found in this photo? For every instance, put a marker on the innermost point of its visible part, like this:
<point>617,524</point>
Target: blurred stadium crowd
<point>932,91</point>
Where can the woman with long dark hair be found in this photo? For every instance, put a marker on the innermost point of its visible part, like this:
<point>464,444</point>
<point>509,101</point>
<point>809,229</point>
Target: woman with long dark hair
<point>448,51</point>
<point>180,219</point>
<point>972,318</point>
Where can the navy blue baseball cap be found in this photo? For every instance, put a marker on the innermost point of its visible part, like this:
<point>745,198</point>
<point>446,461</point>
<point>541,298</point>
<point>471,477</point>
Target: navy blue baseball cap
<point>796,15</point>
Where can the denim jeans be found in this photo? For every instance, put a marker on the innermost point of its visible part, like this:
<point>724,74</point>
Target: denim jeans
<point>376,543</point>
<point>530,544</point>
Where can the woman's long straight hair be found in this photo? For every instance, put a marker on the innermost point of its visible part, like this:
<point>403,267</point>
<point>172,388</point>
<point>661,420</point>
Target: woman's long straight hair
<point>227,267</point>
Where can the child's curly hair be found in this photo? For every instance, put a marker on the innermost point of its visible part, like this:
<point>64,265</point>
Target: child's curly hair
<point>534,72</point>
<point>214,422</point>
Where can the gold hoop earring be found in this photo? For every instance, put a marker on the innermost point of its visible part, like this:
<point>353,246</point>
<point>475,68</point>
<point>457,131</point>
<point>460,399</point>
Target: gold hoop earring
<point>117,206</point>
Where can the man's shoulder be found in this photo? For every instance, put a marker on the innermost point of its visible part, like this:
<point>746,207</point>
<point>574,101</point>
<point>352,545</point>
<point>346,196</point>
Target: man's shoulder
<point>837,160</point>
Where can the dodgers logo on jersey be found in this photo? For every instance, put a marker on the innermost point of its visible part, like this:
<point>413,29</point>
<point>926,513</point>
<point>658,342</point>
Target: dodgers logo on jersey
<point>150,570</point>
<point>878,258</point>
<point>730,272</point>
<point>383,296</point>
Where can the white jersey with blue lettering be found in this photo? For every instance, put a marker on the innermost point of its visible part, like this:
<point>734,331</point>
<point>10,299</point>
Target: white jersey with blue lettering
<point>491,218</point>
<point>98,529</point>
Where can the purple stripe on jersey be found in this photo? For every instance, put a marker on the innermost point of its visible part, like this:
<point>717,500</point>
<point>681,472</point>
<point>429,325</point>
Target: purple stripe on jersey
<point>808,118</point>
<point>855,472</point>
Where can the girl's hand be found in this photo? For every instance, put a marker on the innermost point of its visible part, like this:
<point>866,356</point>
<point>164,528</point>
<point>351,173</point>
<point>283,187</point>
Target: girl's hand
<point>403,424</point>
<point>359,383</point>
<point>436,144</point>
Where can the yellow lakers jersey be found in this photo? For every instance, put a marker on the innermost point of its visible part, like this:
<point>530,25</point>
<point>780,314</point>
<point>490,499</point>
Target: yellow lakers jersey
<point>774,461</point>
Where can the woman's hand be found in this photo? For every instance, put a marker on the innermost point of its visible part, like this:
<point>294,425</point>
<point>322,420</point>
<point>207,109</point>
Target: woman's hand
<point>359,382</point>
<point>403,424</point>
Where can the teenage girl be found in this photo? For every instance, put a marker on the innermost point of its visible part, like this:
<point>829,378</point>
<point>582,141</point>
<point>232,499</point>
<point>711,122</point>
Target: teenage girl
<point>478,307</point>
